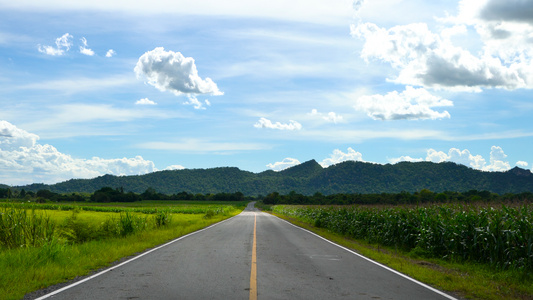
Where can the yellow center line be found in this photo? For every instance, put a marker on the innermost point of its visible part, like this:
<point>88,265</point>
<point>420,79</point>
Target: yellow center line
<point>253,274</point>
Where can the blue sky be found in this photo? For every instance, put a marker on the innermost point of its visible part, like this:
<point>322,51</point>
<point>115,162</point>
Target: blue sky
<point>117,87</point>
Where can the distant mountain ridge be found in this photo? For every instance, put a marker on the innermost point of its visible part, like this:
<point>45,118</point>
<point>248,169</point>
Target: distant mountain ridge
<point>310,177</point>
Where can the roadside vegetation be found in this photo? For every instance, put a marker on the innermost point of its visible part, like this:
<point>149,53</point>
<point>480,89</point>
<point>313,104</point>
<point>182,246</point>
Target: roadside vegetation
<point>45,244</point>
<point>475,250</point>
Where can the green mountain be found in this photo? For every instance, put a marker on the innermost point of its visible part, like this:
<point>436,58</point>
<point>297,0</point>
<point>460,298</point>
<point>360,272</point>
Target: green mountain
<point>309,178</point>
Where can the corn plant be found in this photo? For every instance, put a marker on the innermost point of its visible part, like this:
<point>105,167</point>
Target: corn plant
<point>162,218</point>
<point>130,223</point>
<point>500,237</point>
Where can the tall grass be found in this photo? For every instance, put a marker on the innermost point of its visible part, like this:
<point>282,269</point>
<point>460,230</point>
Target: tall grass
<point>22,228</point>
<point>501,237</point>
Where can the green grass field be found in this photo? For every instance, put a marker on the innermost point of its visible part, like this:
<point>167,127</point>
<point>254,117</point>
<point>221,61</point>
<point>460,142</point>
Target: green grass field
<point>45,244</point>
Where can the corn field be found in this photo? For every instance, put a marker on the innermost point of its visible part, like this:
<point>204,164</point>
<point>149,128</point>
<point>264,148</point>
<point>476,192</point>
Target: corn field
<point>501,237</point>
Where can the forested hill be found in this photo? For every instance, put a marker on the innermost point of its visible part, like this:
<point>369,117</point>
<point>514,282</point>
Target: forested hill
<point>309,178</point>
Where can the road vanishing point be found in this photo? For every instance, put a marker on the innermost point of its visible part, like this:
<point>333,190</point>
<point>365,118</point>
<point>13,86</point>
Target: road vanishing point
<point>253,255</point>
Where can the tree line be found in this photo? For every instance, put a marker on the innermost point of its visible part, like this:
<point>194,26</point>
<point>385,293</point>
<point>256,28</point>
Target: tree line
<point>421,197</point>
<point>108,194</point>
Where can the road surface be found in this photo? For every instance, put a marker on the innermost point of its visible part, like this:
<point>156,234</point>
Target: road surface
<point>251,256</point>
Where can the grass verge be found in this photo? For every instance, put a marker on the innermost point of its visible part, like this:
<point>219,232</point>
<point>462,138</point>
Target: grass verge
<point>28,269</point>
<point>463,280</point>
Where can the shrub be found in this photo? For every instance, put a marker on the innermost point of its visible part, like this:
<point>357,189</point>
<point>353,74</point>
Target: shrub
<point>162,218</point>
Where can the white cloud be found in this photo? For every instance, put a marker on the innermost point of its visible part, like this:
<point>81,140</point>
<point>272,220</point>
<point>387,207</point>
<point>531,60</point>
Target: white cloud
<point>266,123</point>
<point>86,51</point>
<point>338,156</point>
<point>522,164</point>
<point>145,101</point>
<point>405,158</point>
<point>171,71</point>
<point>506,29</point>
<point>510,10</point>
<point>464,157</point>
<point>24,161</point>
<point>284,164</point>
<point>174,167</point>
<point>437,156</point>
<point>110,53</point>
<point>411,104</point>
<point>119,166</point>
<point>63,44</point>
<point>83,49</point>
<point>429,59</point>
<point>192,100</point>
<point>330,117</point>
<point>497,160</point>
<point>12,138</point>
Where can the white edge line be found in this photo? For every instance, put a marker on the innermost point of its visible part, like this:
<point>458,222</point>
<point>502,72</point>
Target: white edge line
<point>374,262</point>
<point>128,261</point>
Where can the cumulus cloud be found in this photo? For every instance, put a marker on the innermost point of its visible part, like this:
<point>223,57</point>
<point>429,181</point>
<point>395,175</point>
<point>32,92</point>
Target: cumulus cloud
<point>497,158</point>
<point>284,164</point>
<point>522,164</point>
<point>510,10</point>
<point>338,156</point>
<point>145,101</point>
<point>24,161</point>
<point>110,53</point>
<point>13,138</point>
<point>430,59</point>
<point>63,44</point>
<point>405,158</point>
<point>266,123</point>
<point>455,155</point>
<point>506,29</point>
<point>411,104</point>
<point>171,71</point>
<point>329,117</point>
<point>174,167</point>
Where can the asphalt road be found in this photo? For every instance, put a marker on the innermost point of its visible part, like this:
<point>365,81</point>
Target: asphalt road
<point>225,261</point>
